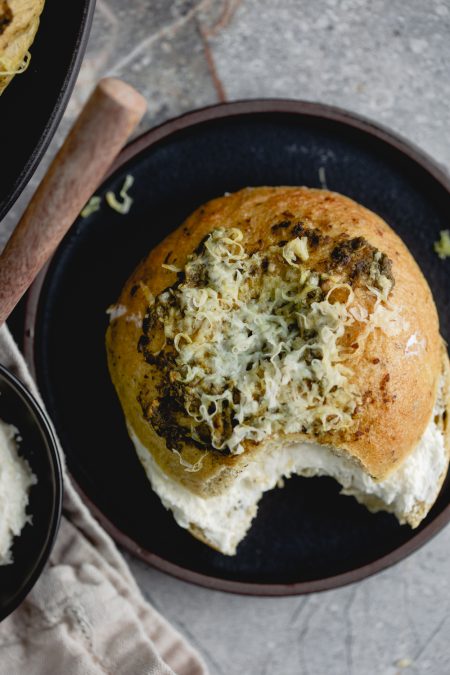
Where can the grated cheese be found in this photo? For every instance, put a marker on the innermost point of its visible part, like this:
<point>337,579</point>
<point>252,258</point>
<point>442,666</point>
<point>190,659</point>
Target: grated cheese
<point>123,206</point>
<point>260,353</point>
<point>442,247</point>
<point>6,70</point>
<point>91,207</point>
<point>191,468</point>
<point>297,248</point>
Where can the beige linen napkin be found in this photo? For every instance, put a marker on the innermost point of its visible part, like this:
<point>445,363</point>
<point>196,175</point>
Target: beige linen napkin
<point>86,614</point>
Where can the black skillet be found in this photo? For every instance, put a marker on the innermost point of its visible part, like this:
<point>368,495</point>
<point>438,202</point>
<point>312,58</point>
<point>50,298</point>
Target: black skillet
<point>33,103</point>
<point>306,537</point>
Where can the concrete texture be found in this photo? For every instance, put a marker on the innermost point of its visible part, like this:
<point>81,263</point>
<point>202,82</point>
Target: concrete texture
<point>386,59</point>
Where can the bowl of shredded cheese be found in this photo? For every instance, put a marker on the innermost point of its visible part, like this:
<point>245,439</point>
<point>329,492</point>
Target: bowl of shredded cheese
<point>30,491</point>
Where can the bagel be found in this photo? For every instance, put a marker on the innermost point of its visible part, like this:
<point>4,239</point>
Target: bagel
<point>281,331</point>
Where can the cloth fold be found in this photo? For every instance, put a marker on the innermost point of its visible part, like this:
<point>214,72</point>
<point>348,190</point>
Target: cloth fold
<point>86,614</point>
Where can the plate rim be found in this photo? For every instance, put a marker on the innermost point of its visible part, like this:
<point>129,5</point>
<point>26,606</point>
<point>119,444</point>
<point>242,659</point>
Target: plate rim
<point>145,141</point>
<point>58,110</point>
<point>46,430</point>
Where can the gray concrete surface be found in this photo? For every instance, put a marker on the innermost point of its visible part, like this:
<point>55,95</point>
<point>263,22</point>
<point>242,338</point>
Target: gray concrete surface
<point>389,60</point>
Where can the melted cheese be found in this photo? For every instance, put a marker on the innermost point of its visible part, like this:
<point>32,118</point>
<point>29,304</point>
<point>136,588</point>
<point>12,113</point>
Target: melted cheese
<point>258,341</point>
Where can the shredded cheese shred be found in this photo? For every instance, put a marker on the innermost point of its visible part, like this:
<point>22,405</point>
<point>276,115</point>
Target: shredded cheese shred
<point>91,207</point>
<point>122,205</point>
<point>7,71</point>
<point>442,247</point>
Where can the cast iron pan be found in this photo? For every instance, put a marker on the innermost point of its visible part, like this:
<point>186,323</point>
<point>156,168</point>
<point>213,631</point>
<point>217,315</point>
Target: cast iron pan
<point>306,537</point>
<point>31,550</point>
<point>33,103</point>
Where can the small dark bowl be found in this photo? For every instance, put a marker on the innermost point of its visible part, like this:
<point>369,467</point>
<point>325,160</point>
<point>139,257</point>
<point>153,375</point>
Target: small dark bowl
<point>38,446</point>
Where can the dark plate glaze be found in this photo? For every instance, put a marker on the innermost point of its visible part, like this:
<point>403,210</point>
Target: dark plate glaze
<point>33,103</point>
<point>306,537</point>
<point>38,446</point>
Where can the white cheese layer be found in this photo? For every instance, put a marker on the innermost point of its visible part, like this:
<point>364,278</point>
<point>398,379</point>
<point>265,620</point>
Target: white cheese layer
<point>16,478</point>
<point>225,519</point>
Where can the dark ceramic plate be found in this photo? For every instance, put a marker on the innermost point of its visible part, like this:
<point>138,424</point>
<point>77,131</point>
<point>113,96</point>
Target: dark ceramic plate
<point>32,548</point>
<point>306,537</point>
<point>33,103</point>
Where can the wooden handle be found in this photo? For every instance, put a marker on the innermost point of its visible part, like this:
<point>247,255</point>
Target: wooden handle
<point>108,118</point>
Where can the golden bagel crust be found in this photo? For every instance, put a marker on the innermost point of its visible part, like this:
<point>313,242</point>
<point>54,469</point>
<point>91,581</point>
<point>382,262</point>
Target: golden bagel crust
<point>20,21</point>
<point>399,391</point>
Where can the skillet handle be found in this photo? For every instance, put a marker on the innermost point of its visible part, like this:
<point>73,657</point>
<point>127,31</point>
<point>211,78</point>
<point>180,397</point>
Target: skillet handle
<point>112,112</point>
